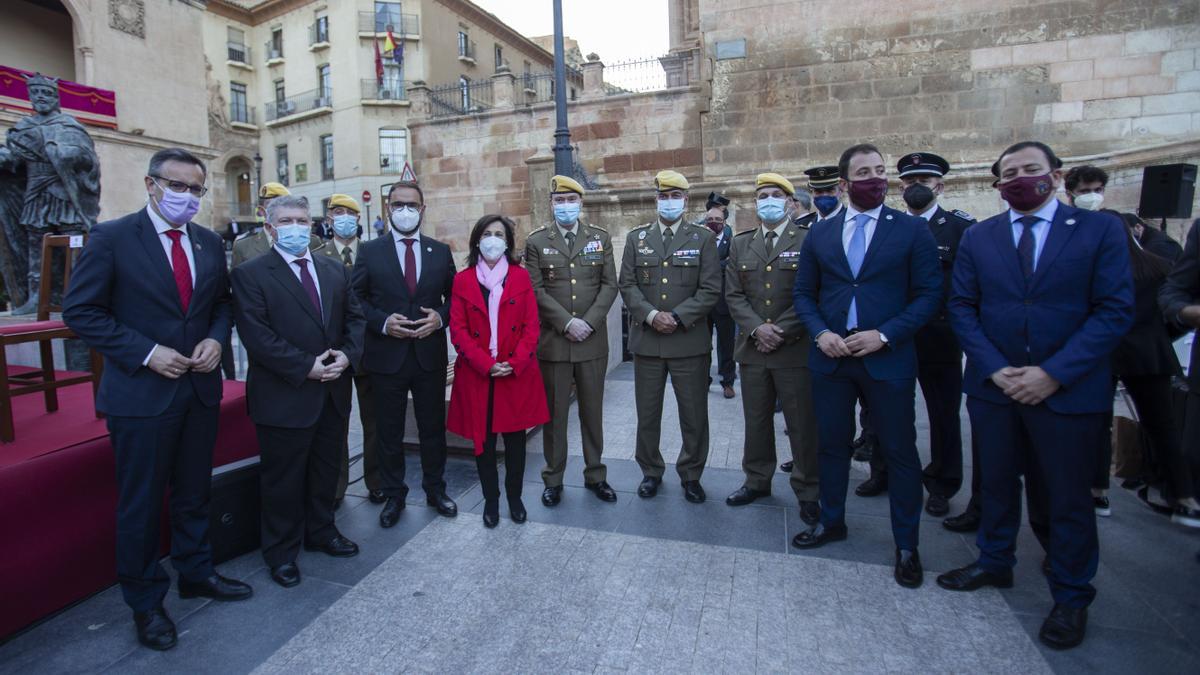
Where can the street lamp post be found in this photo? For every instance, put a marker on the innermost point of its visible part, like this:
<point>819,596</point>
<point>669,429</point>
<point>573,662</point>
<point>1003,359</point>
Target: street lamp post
<point>257,173</point>
<point>562,133</point>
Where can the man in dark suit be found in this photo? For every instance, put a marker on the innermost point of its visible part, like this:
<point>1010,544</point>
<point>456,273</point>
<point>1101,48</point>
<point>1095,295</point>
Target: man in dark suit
<point>1043,293</point>
<point>868,280</point>
<point>302,328</point>
<point>151,294</point>
<point>719,319</point>
<point>1178,300</point>
<point>404,282</point>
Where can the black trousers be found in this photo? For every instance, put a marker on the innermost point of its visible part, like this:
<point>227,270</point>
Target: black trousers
<point>299,472</point>
<point>1188,472</point>
<point>1151,395</point>
<point>391,409</point>
<point>514,460</point>
<point>171,450</point>
<point>724,326</point>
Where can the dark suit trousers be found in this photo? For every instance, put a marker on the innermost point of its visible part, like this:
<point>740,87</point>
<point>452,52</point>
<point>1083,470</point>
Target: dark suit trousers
<point>514,460</point>
<point>724,327</point>
<point>172,450</point>
<point>892,416</point>
<point>299,471</point>
<point>1055,454</point>
<point>370,453</point>
<point>429,407</point>
<point>941,385</point>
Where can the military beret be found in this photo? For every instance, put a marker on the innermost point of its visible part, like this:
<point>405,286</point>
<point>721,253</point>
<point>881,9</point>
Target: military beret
<point>822,177</point>
<point>775,179</point>
<point>670,180</point>
<point>346,201</point>
<point>565,184</point>
<point>922,164</point>
<point>272,190</point>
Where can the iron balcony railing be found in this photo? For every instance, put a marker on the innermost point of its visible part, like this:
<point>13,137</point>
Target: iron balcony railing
<point>237,52</point>
<point>389,90</point>
<point>318,33</point>
<point>649,74</point>
<point>300,103</point>
<point>466,50</point>
<point>401,24</point>
<point>461,98</point>
<point>240,112</point>
<point>272,51</point>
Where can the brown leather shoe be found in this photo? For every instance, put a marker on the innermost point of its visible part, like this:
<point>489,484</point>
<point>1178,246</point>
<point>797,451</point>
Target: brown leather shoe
<point>728,390</point>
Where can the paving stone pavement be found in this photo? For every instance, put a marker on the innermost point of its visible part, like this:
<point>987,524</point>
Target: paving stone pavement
<point>459,598</point>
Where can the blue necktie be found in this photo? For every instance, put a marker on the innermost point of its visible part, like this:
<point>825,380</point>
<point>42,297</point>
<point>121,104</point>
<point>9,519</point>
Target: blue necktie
<point>854,255</point>
<point>1026,247</point>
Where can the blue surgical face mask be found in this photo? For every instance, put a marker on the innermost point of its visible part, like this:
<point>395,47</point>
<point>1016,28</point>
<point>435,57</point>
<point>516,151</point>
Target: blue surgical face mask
<point>771,210</point>
<point>826,204</point>
<point>345,226</point>
<point>566,213</point>
<point>670,209</point>
<point>292,238</point>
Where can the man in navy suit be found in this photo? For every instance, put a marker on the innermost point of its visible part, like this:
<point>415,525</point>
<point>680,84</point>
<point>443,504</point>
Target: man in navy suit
<point>151,294</point>
<point>1042,295</point>
<point>868,279</point>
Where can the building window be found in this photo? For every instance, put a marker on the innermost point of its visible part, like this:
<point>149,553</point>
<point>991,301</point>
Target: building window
<point>280,93</point>
<point>464,44</point>
<point>499,57</point>
<point>275,46</point>
<point>239,111</point>
<point>321,29</point>
<point>324,86</point>
<point>327,157</point>
<point>393,79</point>
<point>387,14</point>
<point>464,87</point>
<point>393,150</point>
<point>236,46</point>
<point>281,164</point>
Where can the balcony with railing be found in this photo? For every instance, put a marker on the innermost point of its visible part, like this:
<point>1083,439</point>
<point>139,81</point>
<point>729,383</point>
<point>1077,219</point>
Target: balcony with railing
<point>273,52</point>
<point>466,52</point>
<point>318,36</point>
<point>388,91</point>
<point>371,24</point>
<point>237,54</point>
<point>308,104</point>
<point>242,114</point>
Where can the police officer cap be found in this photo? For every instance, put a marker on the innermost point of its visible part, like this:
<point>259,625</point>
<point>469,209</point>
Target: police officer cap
<point>272,190</point>
<point>922,164</point>
<point>765,179</point>
<point>565,184</point>
<point>670,180</point>
<point>346,201</point>
<point>822,177</point>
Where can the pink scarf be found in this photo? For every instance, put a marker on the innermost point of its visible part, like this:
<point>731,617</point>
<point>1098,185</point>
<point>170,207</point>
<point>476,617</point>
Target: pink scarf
<point>492,278</point>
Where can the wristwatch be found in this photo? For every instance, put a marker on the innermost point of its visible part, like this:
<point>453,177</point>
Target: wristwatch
<point>882,338</point>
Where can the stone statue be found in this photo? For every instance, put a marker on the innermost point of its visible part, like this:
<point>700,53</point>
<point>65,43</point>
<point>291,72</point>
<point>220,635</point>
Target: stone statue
<point>50,162</point>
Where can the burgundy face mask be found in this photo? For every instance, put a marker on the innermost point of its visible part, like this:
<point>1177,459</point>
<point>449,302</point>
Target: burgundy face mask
<point>1026,193</point>
<point>868,193</point>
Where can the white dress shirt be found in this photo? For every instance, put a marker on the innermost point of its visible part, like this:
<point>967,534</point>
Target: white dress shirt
<point>291,263</point>
<point>162,227</point>
<point>928,215</point>
<point>402,248</point>
<point>849,224</point>
<point>1041,229</point>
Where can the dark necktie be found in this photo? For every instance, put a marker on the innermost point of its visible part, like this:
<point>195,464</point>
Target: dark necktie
<point>347,258</point>
<point>1025,246</point>
<point>309,285</point>
<point>667,238</point>
<point>770,241</point>
<point>181,269</point>
<point>410,266</point>
<point>570,240</point>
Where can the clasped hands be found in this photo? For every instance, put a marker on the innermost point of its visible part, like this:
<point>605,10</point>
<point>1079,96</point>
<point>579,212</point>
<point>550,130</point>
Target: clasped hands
<point>767,337</point>
<point>664,322</point>
<point>1028,384</point>
<point>172,365</point>
<point>501,369</point>
<point>400,326</point>
<point>860,344</point>
<point>329,366</point>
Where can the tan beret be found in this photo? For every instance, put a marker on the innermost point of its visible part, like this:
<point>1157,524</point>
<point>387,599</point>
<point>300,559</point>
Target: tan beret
<point>565,184</point>
<point>346,201</point>
<point>670,180</point>
<point>775,179</point>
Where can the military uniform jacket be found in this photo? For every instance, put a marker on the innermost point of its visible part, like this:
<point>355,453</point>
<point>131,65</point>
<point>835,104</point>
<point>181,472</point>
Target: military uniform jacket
<point>759,290</point>
<point>936,342</point>
<point>571,283</point>
<point>684,279</point>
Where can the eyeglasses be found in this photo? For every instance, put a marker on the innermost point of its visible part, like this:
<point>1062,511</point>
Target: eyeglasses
<point>177,186</point>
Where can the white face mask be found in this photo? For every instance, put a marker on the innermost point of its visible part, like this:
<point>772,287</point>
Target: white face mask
<point>492,248</point>
<point>406,219</point>
<point>1090,201</point>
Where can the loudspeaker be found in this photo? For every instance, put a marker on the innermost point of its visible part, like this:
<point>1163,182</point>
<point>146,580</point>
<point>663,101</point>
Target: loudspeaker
<point>1168,191</point>
<point>234,510</point>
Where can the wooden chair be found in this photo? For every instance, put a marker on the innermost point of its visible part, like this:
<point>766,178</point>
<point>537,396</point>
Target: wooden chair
<point>43,331</point>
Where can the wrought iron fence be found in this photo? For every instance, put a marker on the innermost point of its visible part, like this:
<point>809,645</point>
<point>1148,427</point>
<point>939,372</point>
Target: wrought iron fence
<point>463,98</point>
<point>300,103</point>
<point>378,22</point>
<point>388,90</point>
<point>649,74</point>
<point>240,112</point>
<point>237,52</point>
<point>539,87</point>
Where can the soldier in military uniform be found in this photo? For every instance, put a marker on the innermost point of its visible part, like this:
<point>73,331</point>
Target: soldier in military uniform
<point>939,356</point>
<point>670,279</point>
<point>570,264</point>
<point>343,216</point>
<point>772,348</point>
<point>252,245</point>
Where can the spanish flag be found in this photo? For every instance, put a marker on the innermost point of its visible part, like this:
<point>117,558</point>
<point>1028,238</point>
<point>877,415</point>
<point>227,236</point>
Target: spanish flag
<point>389,44</point>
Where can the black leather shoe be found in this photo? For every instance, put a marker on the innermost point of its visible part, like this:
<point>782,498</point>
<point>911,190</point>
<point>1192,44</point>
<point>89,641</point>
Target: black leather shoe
<point>810,512</point>
<point>338,547</point>
<point>491,513</point>
<point>155,629</point>
<point>376,497</point>
<point>908,569</point>
<point>937,506</point>
<point>973,577</point>
<point>1064,628</point>
<point>602,490</point>
<point>873,486</point>
<point>551,496</point>
<point>391,511</point>
<point>967,521</point>
<point>693,492</point>
<point>649,487</point>
<point>786,467</point>
<point>286,575</point>
<point>216,587</point>
<point>444,505</point>
<point>819,535</point>
<point>745,495</point>
<point>516,510</point>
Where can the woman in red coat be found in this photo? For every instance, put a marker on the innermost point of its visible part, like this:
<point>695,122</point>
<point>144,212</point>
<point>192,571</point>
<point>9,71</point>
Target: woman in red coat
<point>498,387</point>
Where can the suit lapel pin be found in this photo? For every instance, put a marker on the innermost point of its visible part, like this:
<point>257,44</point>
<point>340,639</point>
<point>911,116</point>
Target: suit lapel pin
<point>642,234</point>
<point>1070,221</point>
<point>941,221</point>
<point>889,216</point>
<point>429,249</point>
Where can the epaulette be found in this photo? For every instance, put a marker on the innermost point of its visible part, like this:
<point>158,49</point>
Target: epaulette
<point>642,227</point>
<point>963,214</point>
<point>597,227</point>
<point>538,230</point>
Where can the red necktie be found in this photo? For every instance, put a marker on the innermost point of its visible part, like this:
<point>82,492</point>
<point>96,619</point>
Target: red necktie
<point>310,286</point>
<point>410,267</point>
<point>183,271</point>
